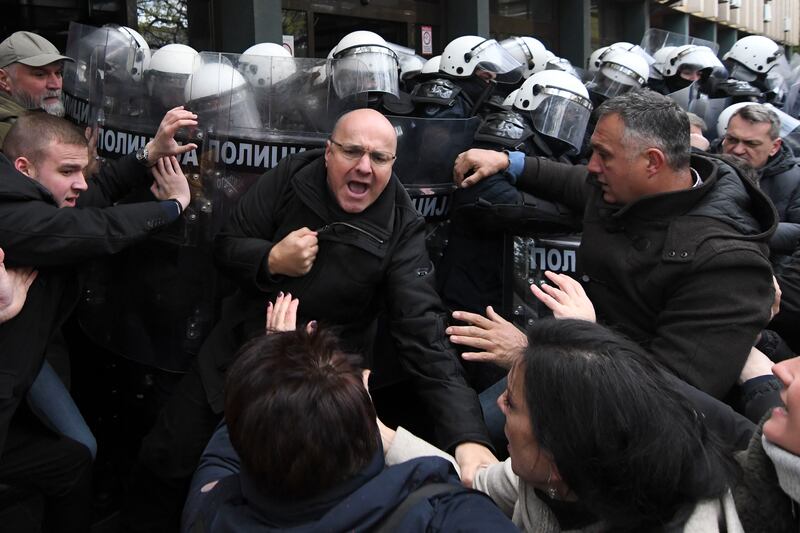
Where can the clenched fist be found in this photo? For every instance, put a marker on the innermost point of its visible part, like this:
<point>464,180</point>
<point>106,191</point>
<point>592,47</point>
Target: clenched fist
<point>294,255</point>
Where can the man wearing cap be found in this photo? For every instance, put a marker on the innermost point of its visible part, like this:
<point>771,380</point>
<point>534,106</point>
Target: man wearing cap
<point>30,77</point>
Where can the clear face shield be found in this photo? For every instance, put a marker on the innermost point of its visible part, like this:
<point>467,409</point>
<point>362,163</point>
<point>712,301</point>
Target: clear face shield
<point>518,50</point>
<point>492,61</point>
<point>508,125</point>
<point>614,79</point>
<point>220,96</point>
<point>740,72</point>
<point>83,78</point>
<point>166,88</point>
<point>562,115</point>
<point>655,39</point>
<point>365,68</point>
<point>562,64</point>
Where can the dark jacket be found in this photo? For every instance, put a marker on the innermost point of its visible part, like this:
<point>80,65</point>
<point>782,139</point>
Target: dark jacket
<point>34,231</point>
<point>780,180</point>
<point>786,321</point>
<point>9,112</point>
<point>684,273</point>
<point>358,504</point>
<point>366,261</point>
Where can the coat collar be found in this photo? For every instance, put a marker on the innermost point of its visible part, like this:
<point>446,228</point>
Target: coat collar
<point>286,514</point>
<point>371,229</point>
<point>15,184</point>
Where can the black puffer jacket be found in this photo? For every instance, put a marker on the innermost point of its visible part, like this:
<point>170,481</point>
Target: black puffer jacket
<point>684,273</point>
<point>365,261</point>
<point>780,180</point>
<point>34,231</point>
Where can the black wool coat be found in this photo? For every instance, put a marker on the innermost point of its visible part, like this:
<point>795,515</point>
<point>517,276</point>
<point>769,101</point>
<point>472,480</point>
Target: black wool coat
<point>686,274</point>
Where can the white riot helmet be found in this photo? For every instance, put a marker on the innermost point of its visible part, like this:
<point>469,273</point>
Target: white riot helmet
<point>751,56</point>
<point>528,51</point>
<point>788,123</point>
<point>596,57</point>
<point>725,117</point>
<point>660,57</point>
<point>562,64</point>
<point>220,95</point>
<point>139,58</point>
<point>471,55</point>
<point>364,62</point>
<point>431,66</point>
<point>620,71</point>
<point>511,98</point>
<point>265,64</point>
<point>410,63</point>
<point>690,58</point>
<point>558,105</point>
<point>170,67</point>
<point>174,59</point>
<point>593,62</point>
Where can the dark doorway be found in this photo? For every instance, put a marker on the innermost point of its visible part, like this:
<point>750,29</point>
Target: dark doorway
<point>329,29</point>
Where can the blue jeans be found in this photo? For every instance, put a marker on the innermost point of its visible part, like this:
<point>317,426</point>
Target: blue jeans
<point>492,415</point>
<point>50,400</point>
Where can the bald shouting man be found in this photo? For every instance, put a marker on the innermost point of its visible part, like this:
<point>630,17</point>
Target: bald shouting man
<point>335,228</point>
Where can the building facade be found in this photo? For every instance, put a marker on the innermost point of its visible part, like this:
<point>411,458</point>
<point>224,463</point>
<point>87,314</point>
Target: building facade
<point>570,28</point>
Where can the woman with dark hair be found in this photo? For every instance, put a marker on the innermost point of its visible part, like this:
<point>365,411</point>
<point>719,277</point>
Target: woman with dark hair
<point>599,440</point>
<point>302,451</point>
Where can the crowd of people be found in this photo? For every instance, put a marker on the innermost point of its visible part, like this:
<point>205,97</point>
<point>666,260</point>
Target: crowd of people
<point>659,396</point>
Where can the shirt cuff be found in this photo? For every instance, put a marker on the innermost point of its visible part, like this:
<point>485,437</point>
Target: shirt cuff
<point>516,164</point>
<point>172,208</point>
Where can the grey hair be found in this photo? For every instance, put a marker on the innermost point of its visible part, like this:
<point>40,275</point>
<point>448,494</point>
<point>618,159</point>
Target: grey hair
<point>652,121</point>
<point>757,113</point>
<point>696,121</point>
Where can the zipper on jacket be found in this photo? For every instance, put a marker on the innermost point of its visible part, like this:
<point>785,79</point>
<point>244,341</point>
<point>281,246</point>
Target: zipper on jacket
<point>351,226</point>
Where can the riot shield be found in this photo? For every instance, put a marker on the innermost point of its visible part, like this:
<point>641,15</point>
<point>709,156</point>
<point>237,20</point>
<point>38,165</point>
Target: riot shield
<point>709,109</point>
<point>525,260</point>
<point>426,151</point>
<point>84,78</point>
<point>792,105</point>
<point>654,39</point>
<point>295,96</point>
<point>156,302</point>
<point>790,130</point>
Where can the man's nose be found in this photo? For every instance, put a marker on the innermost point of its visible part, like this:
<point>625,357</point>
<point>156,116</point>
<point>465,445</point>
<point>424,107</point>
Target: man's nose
<point>54,82</point>
<point>364,164</point>
<point>593,166</point>
<point>738,149</point>
<point>80,184</point>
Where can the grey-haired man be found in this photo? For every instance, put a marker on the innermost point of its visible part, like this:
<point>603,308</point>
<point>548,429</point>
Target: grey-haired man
<point>30,77</point>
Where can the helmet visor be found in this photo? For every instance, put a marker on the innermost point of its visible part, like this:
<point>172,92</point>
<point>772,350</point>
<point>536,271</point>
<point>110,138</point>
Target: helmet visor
<point>613,79</point>
<point>363,69</point>
<point>505,125</point>
<point>493,61</point>
<point>739,71</point>
<point>562,115</point>
<point>518,50</point>
<point>228,112</point>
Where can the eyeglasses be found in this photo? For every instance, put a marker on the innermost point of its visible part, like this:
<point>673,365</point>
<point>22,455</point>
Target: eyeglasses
<point>356,152</point>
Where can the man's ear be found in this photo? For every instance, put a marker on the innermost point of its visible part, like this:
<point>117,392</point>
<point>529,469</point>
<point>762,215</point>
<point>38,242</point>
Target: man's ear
<point>655,160</point>
<point>23,164</point>
<point>5,80</point>
<point>776,145</point>
<point>328,152</point>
